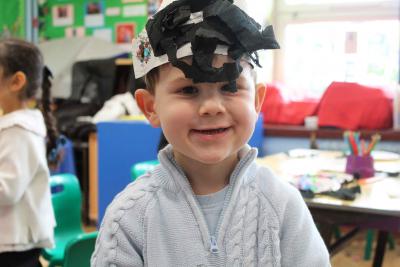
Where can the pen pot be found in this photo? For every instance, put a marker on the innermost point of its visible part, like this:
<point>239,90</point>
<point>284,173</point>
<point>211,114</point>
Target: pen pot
<point>361,165</point>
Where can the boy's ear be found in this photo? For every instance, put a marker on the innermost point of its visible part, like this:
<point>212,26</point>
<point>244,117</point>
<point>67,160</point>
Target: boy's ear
<point>145,101</point>
<point>259,97</point>
<point>18,81</point>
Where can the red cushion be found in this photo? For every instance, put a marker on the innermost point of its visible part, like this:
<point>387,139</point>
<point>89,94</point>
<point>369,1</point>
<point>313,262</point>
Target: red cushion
<point>278,111</point>
<point>353,106</point>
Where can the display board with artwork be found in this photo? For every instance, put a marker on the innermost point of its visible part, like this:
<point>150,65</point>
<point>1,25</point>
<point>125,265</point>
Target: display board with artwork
<point>113,20</point>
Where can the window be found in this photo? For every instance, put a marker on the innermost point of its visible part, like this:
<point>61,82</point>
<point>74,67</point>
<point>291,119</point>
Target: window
<point>335,41</point>
<point>319,2</point>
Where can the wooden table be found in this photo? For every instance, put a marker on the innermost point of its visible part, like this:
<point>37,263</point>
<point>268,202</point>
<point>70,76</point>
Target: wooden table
<point>377,207</point>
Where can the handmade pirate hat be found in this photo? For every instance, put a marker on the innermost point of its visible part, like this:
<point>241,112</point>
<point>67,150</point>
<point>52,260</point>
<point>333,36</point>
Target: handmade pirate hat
<point>201,29</point>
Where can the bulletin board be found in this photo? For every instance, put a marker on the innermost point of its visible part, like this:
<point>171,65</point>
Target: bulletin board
<point>12,22</point>
<point>117,21</point>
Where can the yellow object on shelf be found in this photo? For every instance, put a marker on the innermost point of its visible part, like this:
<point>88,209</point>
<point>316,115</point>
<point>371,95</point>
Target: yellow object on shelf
<point>133,118</point>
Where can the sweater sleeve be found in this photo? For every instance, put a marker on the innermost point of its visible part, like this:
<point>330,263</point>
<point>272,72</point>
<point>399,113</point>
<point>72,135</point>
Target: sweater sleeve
<point>301,243</point>
<point>120,240</point>
<point>17,165</point>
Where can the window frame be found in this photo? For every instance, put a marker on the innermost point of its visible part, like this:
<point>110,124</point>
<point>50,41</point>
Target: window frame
<point>285,14</point>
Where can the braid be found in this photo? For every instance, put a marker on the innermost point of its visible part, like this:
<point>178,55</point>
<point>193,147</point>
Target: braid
<point>49,119</point>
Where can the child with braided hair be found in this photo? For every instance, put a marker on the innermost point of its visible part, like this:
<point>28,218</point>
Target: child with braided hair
<point>26,214</point>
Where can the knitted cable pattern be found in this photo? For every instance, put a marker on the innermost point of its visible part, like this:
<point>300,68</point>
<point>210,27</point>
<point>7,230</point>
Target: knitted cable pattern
<point>128,200</point>
<point>269,242</point>
<point>234,239</point>
<point>250,229</point>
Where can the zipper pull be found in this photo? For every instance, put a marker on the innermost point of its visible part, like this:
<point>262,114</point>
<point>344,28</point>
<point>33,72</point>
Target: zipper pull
<point>213,245</point>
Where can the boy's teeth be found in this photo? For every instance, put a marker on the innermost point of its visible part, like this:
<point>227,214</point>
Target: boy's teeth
<point>212,131</point>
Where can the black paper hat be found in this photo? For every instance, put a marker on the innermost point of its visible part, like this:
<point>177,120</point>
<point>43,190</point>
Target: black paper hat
<point>201,29</point>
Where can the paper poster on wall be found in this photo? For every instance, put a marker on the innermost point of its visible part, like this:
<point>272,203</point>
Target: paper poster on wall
<point>69,32</point>
<point>124,33</point>
<point>113,11</point>
<point>94,16</point>
<point>131,1</point>
<point>105,34</point>
<point>80,31</point>
<point>63,15</point>
<point>134,10</point>
<point>75,32</point>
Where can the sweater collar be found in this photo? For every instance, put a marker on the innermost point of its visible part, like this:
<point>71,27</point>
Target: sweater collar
<point>177,176</point>
<point>29,119</point>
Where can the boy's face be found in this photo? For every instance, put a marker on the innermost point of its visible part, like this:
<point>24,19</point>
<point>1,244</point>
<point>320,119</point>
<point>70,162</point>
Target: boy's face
<point>204,122</point>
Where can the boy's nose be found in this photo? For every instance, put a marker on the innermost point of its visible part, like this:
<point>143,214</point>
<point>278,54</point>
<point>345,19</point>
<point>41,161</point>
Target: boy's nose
<point>211,106</point>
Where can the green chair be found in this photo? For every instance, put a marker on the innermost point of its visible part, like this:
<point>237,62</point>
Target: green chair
<point>79,250</point>
<point>369,239</point>
<point>67,205</point>
<point>141,168</point>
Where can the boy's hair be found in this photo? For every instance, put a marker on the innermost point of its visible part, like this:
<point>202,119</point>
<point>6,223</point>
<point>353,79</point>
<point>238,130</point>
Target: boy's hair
<point>151,79</point>
<point>19,55</point>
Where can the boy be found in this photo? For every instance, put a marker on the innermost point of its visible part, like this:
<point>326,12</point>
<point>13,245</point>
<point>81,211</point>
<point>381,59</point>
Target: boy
<point>208,203</point>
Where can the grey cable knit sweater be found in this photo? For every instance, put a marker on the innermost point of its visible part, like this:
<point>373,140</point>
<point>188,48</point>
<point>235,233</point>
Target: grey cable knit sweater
<point>157,221</point>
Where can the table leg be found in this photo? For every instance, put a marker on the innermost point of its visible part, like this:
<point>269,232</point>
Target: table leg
<point>326,231</point>
<point>380,248</point>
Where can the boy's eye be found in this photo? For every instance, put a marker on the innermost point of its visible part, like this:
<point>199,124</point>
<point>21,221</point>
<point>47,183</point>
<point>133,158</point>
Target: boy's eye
<point>229,88</point>
<point>189,90</point>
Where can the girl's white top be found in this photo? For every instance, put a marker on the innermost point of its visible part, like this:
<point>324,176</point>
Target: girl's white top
<point>26,212</point>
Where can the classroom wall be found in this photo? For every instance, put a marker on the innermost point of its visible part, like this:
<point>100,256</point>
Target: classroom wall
<point>114,20</point>
<point>12,20</point>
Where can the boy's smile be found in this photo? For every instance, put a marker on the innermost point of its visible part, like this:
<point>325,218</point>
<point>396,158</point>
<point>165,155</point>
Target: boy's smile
<point>210,134</point>
<point>207,123</point>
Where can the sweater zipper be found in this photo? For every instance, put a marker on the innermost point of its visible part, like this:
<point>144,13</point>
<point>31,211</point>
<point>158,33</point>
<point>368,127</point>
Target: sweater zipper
<point>213,245</point>
<point>213,238</point>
